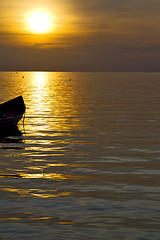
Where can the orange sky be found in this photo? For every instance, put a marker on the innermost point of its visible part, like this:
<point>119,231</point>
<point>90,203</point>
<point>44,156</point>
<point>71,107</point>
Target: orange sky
<point>84,35</point>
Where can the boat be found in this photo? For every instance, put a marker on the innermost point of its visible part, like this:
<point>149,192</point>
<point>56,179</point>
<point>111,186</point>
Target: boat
<point>11,112</point>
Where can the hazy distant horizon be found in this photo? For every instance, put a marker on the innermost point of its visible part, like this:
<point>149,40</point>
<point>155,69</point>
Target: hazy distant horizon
<point>79,71</point>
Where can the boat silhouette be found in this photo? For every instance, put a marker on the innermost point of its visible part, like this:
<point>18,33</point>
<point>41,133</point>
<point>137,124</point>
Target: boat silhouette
<point>11,113</point>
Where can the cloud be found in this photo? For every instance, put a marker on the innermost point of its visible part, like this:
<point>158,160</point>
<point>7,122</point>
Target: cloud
<point>108,35</point>
<point>116,5</point>
<point>86,57</point>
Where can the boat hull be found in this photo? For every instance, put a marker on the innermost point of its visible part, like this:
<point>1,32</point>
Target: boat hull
<point>10,122</point>
<point>11,112</point>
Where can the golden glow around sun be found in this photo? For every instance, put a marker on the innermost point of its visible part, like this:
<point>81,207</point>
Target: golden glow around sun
<point>39,22</point>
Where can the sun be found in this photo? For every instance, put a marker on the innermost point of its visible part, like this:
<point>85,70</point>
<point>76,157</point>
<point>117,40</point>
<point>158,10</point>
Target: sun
<point>39,22</point>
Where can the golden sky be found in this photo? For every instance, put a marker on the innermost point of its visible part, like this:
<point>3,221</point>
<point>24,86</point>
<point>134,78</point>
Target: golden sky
<point>81,35</point>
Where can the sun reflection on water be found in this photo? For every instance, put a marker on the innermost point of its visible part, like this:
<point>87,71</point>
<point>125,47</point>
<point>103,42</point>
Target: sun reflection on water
<point>52,102</point>
<point>37,193</point>
<point>51,117</point>
<point>51,113</point>
<point>39,93</point>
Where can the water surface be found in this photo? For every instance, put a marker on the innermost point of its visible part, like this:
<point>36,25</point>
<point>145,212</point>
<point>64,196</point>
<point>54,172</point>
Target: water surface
<point>85,163</point>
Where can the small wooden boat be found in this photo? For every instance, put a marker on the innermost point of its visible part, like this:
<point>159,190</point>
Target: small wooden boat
<point>11,112</point>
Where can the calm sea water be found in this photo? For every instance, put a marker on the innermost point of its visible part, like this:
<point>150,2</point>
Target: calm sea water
<point>86,162</point>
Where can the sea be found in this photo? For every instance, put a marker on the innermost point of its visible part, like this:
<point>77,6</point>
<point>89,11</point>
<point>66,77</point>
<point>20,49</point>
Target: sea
<point>84,162</point>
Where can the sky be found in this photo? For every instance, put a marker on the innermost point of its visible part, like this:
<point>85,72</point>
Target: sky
<point>83,35</point>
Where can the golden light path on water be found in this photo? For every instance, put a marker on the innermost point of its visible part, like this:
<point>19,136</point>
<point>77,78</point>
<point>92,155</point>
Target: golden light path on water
<point>50,117</point>
<point>51,96</point>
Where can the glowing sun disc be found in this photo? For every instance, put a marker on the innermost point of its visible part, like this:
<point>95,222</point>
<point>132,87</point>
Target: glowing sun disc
<point>39,22</point>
